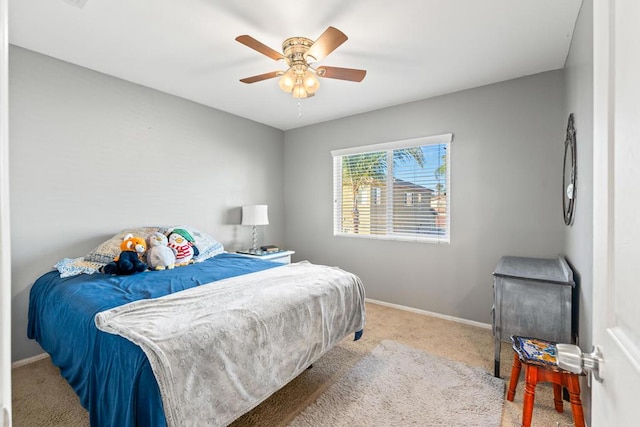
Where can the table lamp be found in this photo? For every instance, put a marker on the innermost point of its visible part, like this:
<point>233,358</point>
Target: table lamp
<point>254,215</point>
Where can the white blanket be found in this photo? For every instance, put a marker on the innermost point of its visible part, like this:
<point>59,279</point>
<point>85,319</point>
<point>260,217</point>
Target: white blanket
<point>220,349</point>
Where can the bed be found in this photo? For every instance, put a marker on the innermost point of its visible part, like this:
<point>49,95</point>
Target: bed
<point>82,322</point>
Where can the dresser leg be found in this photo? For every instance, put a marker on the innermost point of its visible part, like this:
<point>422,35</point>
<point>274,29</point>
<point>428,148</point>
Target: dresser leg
<point>496,357</point>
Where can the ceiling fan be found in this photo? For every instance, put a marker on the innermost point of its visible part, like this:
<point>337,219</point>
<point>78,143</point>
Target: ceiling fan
<point>301,78</point>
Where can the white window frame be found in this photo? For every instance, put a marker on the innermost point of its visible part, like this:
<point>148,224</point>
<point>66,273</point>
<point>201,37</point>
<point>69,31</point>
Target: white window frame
<point>389,147</point>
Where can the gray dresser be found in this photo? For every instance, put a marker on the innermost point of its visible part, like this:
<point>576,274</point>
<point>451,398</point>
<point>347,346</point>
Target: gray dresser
<point>532,297</point>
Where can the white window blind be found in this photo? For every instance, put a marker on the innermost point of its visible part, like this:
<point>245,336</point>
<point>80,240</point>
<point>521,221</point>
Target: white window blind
<point>397,190</point>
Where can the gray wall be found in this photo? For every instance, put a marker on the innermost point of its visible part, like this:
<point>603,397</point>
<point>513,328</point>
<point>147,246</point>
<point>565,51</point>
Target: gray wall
<point>506,170</point>
<point>92,154</point>
<point>579,237</point>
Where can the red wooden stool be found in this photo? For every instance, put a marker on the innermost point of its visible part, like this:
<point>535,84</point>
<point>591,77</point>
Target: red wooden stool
<point>541,365</point>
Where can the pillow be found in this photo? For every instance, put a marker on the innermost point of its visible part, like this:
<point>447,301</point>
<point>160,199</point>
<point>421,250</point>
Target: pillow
<point>73,266</point>
<point>107,251</point>
<point>207,245</point>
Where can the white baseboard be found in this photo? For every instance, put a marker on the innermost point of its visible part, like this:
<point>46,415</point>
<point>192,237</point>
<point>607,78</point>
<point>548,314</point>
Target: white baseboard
<point>28,360</point>
<point>429,313</point>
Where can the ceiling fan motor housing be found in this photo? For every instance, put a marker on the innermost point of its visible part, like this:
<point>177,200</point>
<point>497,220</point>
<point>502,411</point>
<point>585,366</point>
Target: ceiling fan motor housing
<point>299,79</point>
<point>294,49</point>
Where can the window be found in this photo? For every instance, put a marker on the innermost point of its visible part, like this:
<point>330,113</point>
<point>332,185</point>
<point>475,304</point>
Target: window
<point>408,199</point>
<point>396,190</point>
<point>377,195</point>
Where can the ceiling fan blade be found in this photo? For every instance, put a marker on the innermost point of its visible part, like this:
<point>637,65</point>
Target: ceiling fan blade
<point>350,74</point>
<point>326,43</point>
<point>261,77</point>
<point>262,48</point>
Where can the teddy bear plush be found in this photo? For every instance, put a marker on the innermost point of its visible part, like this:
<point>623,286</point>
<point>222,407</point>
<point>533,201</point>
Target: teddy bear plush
<point>184,244</point>
<point>128,261</point>
<point>159,255</point>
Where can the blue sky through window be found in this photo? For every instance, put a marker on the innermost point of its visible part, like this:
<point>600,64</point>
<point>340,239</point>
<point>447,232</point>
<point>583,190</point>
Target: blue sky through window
<point>410,170</point>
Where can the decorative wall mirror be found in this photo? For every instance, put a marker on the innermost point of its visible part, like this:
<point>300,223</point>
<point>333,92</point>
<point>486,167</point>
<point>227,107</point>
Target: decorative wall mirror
<point>569,173</point>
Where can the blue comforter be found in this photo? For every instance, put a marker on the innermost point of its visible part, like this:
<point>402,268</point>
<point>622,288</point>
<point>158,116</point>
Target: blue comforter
<point>111,375</point>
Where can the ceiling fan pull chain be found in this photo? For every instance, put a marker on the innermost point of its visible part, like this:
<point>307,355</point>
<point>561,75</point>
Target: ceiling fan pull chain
<point>299,108</point>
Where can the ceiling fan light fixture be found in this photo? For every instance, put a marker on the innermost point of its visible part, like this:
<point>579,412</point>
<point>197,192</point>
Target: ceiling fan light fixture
<point>287,81</point>
<point>310,81</point>
<point>299,91</point>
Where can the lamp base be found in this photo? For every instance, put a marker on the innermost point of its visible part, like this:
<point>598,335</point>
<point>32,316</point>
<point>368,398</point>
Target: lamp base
<point>254,235</point>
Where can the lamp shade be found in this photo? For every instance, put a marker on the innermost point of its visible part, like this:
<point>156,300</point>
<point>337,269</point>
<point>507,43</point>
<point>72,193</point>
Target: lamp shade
<point>255,215</point>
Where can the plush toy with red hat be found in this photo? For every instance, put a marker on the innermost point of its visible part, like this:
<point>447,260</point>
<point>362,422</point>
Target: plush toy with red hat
<point>184,244</point>
<point>128,261</point>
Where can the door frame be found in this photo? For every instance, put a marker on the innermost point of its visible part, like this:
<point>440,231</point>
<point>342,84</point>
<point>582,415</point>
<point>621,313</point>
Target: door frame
<point>5,238</point>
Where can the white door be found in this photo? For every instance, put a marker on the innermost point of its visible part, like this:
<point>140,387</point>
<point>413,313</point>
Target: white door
<point>616,316</point>
<point>5,247</point>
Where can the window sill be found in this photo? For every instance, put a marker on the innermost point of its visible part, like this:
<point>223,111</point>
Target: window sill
<point>436,240</point>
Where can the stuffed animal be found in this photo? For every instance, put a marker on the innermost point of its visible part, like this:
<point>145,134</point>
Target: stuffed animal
<point>128,261</point>
<point>159,255</point>
<point>183,243</point>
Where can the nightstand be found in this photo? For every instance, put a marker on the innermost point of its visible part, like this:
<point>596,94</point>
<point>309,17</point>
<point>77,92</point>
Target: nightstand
<point>283,257</point>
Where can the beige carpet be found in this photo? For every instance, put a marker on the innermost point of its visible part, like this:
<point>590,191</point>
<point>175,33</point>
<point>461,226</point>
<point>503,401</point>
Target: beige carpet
<point>42,398</point>
<point>398,385</point>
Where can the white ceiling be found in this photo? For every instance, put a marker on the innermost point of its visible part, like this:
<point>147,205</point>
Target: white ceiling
<point>411,49</point>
